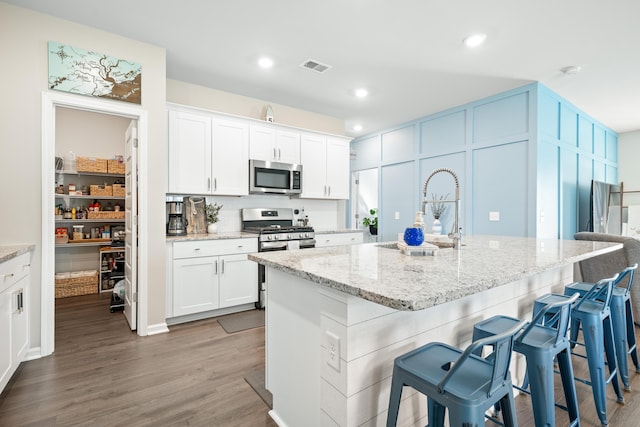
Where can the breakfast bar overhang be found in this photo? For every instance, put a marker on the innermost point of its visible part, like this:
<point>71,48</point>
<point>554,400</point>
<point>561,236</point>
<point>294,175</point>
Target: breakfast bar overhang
<point>337,317</point>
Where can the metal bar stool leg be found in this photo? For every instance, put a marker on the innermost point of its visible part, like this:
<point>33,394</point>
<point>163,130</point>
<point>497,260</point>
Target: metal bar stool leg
<point>631,334</point>
<point>619,325</point>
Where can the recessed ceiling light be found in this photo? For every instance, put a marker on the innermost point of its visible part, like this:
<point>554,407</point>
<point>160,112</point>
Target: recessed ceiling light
<point>361,93</point>
<point>474,40</point>
<point>265,62</point>
<point>357,128</point>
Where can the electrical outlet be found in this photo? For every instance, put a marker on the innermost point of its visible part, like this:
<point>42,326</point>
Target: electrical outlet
<point>494,216</point>
<point>397,215</point>
<point>333,350</point>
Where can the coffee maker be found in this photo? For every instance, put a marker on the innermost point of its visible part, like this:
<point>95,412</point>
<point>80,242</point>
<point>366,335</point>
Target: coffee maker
<point>176,224</point>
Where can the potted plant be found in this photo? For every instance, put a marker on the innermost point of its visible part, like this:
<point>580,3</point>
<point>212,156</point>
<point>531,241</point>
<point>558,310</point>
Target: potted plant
<point>212,212</point>
<point>438,207</point>
<point>372,222</point>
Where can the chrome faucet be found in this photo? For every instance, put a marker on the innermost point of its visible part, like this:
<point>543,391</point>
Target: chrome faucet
<point>456,230</point>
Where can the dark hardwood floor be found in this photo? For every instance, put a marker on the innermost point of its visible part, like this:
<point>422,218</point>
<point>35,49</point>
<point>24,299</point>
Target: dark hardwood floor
<point>102,374</point>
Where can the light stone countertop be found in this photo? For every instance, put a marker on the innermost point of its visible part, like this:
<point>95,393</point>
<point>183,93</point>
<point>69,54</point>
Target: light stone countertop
<point>385,276</point>
<point>8,252</point>
<point>212,236</point>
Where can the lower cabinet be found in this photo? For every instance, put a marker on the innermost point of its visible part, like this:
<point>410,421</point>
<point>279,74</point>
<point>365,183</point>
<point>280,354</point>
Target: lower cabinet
<point>14,319</point>
<point>213,274</point>
<point>337,239</point>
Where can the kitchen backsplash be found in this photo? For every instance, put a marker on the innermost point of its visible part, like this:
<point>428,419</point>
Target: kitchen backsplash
<point>323,214</point>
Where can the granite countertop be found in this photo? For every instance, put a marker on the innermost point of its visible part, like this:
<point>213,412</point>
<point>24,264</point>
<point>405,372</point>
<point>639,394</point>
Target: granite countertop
<point>8,252</point>
<point>212,236</point>
<point>379,273</point>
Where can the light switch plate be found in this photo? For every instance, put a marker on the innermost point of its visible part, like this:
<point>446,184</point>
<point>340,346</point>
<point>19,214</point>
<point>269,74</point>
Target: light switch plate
<point>397,215</point>
<point>494,216</point>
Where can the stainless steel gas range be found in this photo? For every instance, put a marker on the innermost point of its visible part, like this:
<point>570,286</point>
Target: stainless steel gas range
<point>276,232</point>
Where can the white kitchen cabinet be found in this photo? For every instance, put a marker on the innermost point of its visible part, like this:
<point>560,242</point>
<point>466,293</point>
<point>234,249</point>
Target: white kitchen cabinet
<point>208,154</point>
<point>189,153</point>
<point>337,239</point>
<point>14,316</point>
<point>230,154</point>
<point>325,167</point>
<point>212,274</point>
<point>271,144</point>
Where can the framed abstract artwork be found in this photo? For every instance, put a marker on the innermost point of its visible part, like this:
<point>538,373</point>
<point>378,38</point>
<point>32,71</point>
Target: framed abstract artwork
<point>90,73</point>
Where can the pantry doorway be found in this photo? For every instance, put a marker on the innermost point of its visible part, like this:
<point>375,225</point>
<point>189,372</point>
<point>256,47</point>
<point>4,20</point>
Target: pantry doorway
<point>136,314</point>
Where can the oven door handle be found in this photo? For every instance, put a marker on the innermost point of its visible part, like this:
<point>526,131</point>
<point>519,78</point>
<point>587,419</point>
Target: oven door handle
<point>273,246</point>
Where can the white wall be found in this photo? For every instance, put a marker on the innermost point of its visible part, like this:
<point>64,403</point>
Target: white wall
<point>89,134</point>
<point>225,102</point>
<point>24,79</point>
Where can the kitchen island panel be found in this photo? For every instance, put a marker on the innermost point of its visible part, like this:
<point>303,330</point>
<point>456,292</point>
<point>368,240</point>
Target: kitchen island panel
<point>357,392</point>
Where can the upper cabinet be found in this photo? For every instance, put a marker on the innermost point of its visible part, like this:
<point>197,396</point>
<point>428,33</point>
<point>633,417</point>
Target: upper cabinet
<point>325,167</point>
<point>207,154</point>
<point>274,145</point>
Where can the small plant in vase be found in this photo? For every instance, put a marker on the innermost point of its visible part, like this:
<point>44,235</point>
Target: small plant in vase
<point>212,212</point>
<point>372,222</point>
<point>438,207</point>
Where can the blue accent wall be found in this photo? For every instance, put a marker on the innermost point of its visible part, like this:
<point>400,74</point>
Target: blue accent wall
<point>527,154</point>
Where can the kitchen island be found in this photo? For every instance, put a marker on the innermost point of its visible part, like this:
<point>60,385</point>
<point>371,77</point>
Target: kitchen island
<point>338,316</point>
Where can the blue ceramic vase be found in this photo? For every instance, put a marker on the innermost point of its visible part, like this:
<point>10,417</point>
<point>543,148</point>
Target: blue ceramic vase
<point>413,236</point>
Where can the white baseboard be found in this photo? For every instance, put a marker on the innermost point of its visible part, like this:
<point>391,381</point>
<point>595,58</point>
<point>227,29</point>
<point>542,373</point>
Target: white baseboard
<point>159,328</point>
<point>34,353</point>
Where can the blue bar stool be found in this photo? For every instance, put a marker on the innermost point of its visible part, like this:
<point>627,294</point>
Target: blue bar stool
<point>543,339</point>
<point>621,320</point>
<point>465,384</point>
<point>592,311</point>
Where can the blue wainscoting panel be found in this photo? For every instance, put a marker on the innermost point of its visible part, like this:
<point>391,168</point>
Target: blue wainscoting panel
<point>398,194</point>
<point>611,143</point>
<point>398,145</point>
<point>500,185</point>
<point>367,153</point>
<point>585,135</point>
<point>568,193</point>
<point>501,119</point>
<point>548,116</point>
<point>568,125</point>
<point>443,184</point>
<point>443,133</point>
<point>547,218</point>
<point>599,150</point>
<point>599,170</point>
<point>611,174</point>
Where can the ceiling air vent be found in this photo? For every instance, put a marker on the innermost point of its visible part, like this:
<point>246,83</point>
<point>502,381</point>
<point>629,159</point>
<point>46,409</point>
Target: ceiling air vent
<point>314,65</point>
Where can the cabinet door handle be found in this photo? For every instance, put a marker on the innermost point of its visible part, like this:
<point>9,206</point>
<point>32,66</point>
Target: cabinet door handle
<point>274,154</point>
<point>222,269</point>
<point>19,301</point>
<point>328,190</point>
<point>216,272</point>
<point>208,184</point>
<point>8,275</point>
<point>215,184</point>
<point>279,154</point>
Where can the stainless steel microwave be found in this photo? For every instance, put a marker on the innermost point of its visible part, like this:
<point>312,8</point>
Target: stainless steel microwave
<point>274,178</point>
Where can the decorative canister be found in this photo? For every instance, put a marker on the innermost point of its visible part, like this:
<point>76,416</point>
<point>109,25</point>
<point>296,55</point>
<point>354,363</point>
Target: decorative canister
<point>436,227</point>
<point>413,236</point>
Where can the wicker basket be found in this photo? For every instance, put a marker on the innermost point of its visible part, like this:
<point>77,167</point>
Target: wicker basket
<point>115,166</point>
<point>91,164</point>
<point>101,190</point>
<point>118,190</point>
<point>106,215</point>
<point>76,283</point>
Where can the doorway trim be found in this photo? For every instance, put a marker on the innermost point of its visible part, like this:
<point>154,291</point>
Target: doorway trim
<point>50,101</point>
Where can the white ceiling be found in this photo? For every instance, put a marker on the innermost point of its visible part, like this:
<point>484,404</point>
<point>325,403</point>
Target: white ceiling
<point>408,53</point>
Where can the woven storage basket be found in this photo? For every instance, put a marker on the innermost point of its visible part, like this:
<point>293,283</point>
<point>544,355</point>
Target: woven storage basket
<point>91,164</point>
<point>101,190</point>
<point>106,215</point>
<point>114,166</point>
<point>118,190</point>
<point>76,283</point>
